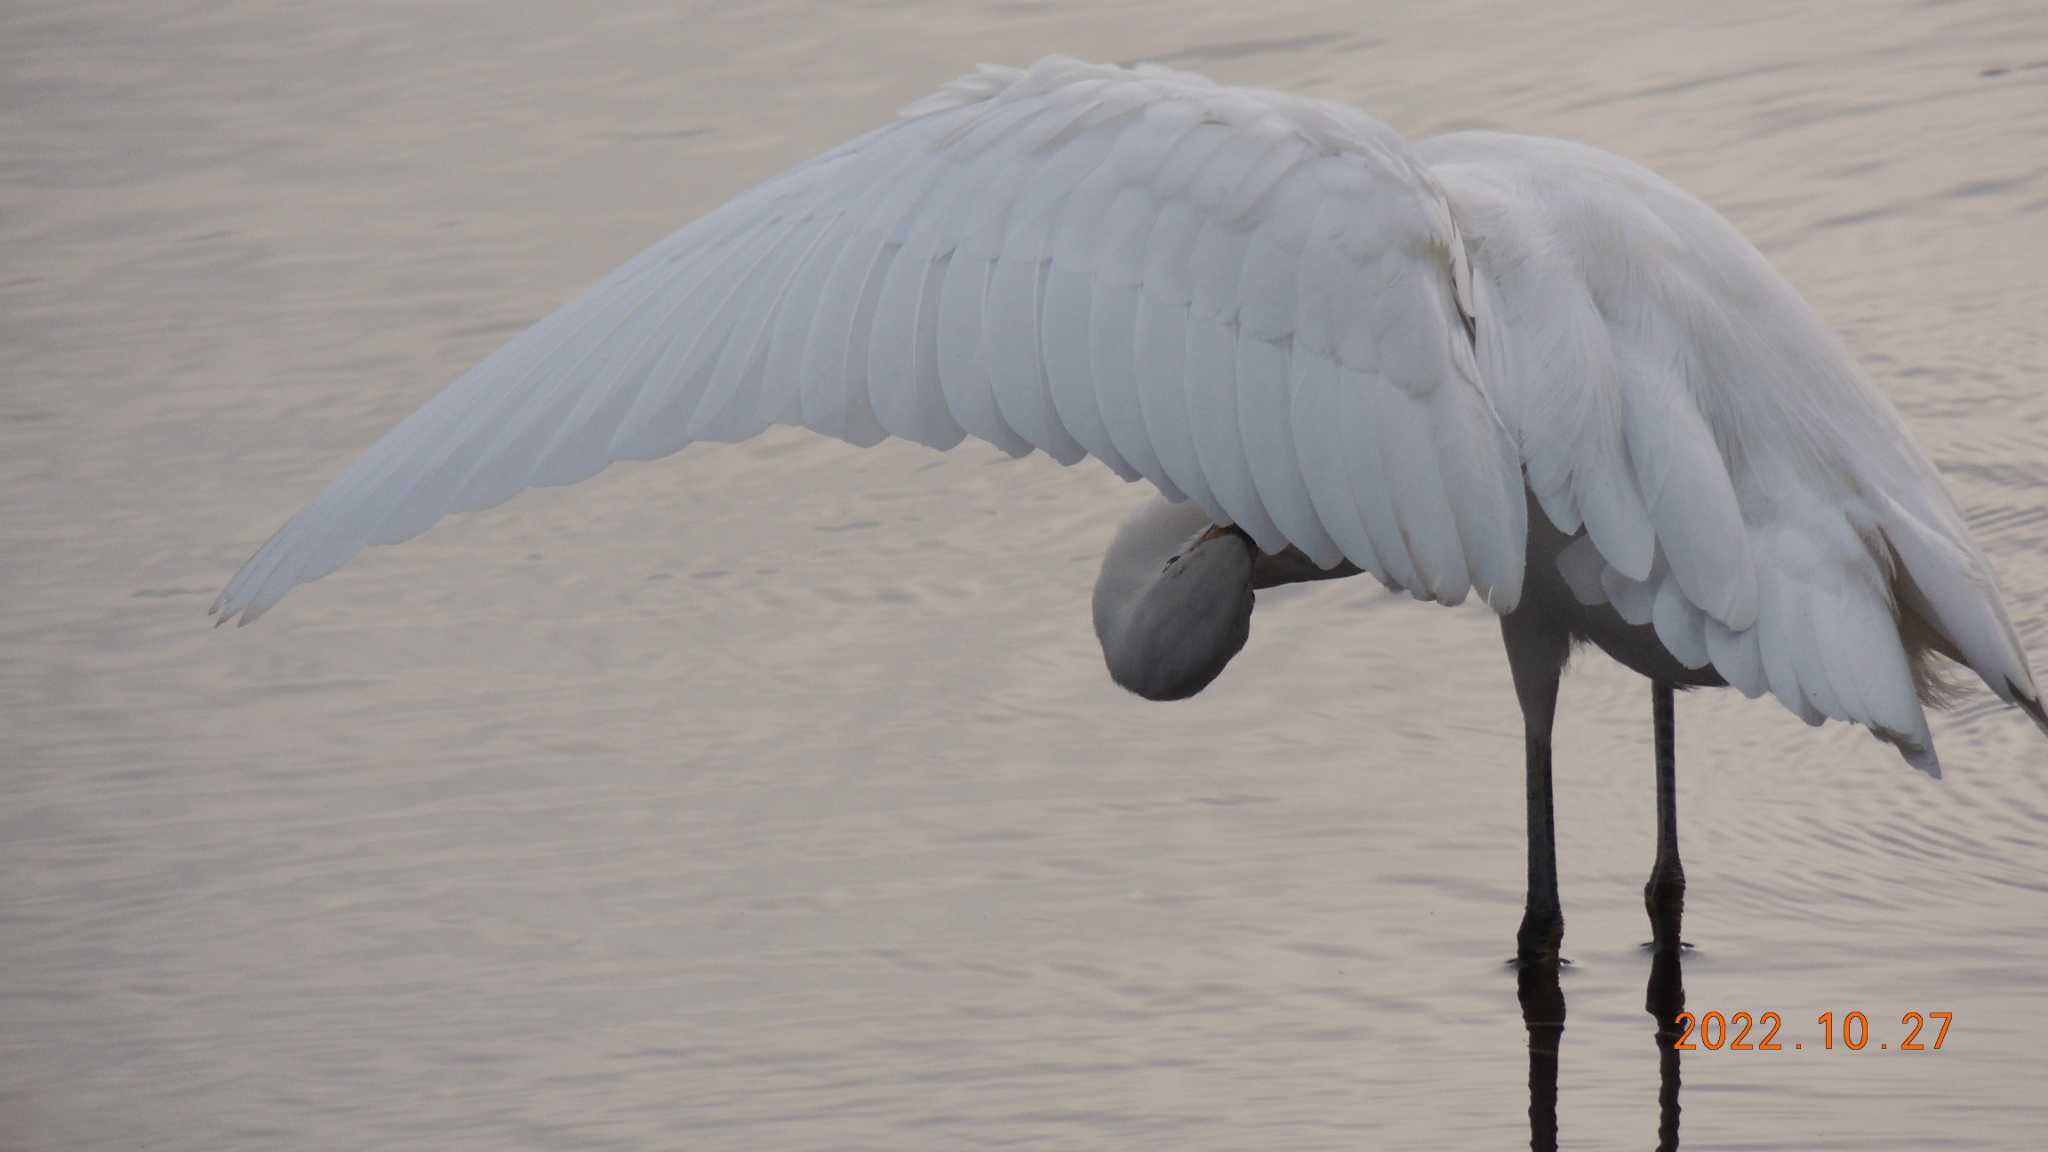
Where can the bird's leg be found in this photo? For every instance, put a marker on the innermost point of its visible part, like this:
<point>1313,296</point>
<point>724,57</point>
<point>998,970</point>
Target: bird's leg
<point>1537,649</point>
<point>1664,895</point>
<point>1542,931</point>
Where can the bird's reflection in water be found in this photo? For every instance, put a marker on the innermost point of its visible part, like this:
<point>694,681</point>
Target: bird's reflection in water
<point>1664,1001</point>
<point>1665,998</point>
<point>1543,1012</point>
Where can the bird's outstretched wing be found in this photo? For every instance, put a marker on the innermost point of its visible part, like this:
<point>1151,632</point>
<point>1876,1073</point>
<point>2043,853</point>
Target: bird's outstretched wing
<point>1255,301</point>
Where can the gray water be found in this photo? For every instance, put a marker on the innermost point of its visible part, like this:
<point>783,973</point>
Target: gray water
<point>774,796</point>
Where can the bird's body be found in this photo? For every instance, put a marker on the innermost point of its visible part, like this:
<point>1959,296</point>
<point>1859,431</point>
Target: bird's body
<point>1486,363</point>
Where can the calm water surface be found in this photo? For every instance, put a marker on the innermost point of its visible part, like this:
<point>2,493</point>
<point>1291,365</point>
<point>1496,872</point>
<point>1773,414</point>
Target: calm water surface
<point>774,796</point>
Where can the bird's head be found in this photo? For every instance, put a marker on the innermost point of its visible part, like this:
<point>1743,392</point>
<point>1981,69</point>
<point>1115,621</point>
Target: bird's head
<point>1174,601</point>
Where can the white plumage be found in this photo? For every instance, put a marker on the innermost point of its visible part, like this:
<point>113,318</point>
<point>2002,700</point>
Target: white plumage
<point>1276,309</point>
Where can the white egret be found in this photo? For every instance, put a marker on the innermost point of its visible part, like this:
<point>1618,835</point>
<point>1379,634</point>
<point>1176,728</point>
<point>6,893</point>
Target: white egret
<point>1490,363</point>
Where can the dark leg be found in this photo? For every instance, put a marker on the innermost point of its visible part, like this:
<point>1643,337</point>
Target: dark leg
<point>1536,653</point>
<point>1542,931</point>
<point>1664,895</point>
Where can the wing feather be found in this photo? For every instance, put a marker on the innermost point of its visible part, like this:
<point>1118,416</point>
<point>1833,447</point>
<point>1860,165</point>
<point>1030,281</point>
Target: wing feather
<point>1116,264</point>
<point>1265,420</point>
<point>1212,415</point>
<point>1159,350</point>
<point>1069,366</point>
<point>1689,497</point>
<point>670,385</point>
<point>963,358</point>
<point>736,403</point>
<point>1326,435</point>
<point>1112,356</point>
<point>903,374</point>
<point>1415,484</point>
<point>578,441</point>
<point>1779,635</point>
<point>835,389</point>
<point>1737,658</point>
<point>1373,477</point>
<point>781,400</point>
<point>1011,324</point>
<point>1680,625</point>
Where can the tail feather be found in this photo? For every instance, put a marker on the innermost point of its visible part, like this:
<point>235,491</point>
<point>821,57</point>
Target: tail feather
<point>1940,578</point>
